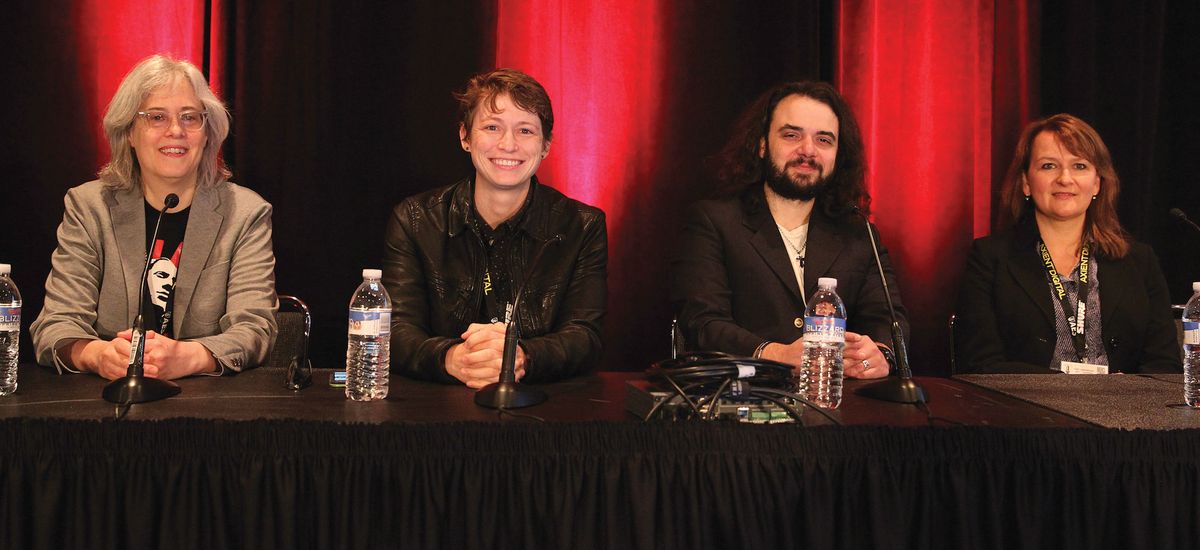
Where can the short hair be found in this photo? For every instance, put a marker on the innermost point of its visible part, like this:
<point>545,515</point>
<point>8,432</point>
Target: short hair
<point>150,74</point>
<point>741,167</point>
<point>1101,223</point>
<point>524,90</point>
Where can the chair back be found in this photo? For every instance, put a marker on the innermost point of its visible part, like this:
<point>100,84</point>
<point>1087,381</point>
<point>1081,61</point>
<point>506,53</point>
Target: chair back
<point>678,345</point>
<point>291,345</point>
<point>953,365</point>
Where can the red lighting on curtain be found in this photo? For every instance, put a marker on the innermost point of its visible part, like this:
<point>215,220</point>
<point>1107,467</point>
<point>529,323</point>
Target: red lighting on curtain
<point>919,76</point>
<point>119,33</point>
<point>601,62</point>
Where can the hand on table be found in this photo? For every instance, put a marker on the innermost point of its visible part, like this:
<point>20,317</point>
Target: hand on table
<point>476,361</point>
<point>863,358</point>
<point>164,357</point>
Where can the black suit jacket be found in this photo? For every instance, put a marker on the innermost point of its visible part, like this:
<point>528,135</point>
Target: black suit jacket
<point>1005,315</point>
<point>733,284</point>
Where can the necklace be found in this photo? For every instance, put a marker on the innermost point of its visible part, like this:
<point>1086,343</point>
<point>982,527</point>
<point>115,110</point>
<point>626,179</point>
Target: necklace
<point>799,249</point>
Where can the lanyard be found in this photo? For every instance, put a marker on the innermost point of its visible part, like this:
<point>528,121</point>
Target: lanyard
<point>1076,316</point>
<point>494,307</point>
<point>494,310</point>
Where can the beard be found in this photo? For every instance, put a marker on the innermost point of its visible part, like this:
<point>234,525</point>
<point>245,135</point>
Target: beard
<point>801,188</point>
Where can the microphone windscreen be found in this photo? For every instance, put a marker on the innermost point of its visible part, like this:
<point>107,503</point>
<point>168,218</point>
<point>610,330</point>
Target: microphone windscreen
<point>1178,213</point>
<point>171,201</point>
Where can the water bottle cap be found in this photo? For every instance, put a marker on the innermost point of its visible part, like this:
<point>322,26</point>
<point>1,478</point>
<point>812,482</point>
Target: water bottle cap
<point>5,269</point>
<point>372,273</point>
<point>827,282</point>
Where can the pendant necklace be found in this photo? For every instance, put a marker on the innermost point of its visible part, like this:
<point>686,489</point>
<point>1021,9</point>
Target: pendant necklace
<point>799,249</point>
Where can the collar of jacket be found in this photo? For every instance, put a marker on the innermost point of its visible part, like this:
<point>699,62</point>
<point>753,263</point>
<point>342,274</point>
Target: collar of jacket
<point>462,194</point>
<point>1025,233</point>
<point>757,216</point>
<point>129,226</point>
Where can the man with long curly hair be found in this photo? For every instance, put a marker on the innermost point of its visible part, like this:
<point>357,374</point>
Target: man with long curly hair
<point>794,173</point>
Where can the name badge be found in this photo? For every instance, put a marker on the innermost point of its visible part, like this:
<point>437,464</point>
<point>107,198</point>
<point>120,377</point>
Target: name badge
<point>1072,367</point>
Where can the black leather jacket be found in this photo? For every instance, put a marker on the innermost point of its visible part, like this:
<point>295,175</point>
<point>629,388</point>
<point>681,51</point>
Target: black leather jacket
<point>432,269</point>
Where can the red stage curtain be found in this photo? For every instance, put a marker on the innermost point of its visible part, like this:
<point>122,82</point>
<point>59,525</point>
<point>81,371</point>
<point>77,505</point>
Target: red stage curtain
<point>116,34</point>
<point>920,76</point>
<point>602,64</point>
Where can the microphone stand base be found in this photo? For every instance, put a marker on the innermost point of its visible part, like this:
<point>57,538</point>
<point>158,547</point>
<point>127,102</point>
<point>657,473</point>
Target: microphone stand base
<point>894,389</point>
<point>508,395</point>
<point>138,389</point>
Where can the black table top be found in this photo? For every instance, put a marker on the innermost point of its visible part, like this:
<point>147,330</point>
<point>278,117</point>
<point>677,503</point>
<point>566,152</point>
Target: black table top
<point>260,393</point>
<point>1111,401</point>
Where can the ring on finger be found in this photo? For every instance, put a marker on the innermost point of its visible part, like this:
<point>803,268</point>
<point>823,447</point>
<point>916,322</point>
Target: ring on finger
<point>866,364</point>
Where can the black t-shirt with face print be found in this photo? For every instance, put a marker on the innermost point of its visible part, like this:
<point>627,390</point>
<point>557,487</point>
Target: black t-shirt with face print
<point>158,304</point>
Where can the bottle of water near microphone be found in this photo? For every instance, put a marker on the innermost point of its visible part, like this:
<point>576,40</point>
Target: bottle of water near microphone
<point>369,340</point>
<point>10,330</point>
<point>824,342</point>
<point>1191,348</point>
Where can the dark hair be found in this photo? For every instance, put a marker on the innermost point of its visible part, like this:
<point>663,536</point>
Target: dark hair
<point>741,166</point>
<point>1100,224</point>
<point>525,92</point>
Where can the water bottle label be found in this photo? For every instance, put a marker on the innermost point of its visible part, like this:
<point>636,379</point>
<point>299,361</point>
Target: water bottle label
<point>824,329</point>
<point>364,322</point>
<point>10,318</point>
<point>1191,333</point>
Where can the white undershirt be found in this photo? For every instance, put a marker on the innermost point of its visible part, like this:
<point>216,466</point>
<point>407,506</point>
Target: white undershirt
<point>794,242</point>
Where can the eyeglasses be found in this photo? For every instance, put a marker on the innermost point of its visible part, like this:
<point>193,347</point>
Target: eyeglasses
<point>188,120</point>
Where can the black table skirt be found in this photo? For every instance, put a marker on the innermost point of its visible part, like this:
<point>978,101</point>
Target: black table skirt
<point>190,483</point>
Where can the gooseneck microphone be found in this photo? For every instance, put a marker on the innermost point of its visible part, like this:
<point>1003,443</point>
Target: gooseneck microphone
<point>134,387</point>
<point>901,389</point>
<point>1179,215</point>
<point>507,393</point>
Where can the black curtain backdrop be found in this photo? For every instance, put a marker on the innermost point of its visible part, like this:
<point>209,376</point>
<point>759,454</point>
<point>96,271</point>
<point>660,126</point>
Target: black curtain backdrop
<point>719,57</point>
<point>1130,69</point>
<point>342,109</point>
<point>341,112</point>
<point>47,145</point>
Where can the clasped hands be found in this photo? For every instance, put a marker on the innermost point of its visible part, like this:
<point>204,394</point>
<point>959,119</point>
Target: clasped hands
<point>164,357</point>
<point>862,357</point>
<point>476,361</point>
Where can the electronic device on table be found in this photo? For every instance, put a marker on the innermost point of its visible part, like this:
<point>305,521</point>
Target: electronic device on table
<point>718,386</point>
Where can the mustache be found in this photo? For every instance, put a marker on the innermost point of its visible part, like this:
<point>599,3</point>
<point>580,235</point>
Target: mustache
<point>810,162</point>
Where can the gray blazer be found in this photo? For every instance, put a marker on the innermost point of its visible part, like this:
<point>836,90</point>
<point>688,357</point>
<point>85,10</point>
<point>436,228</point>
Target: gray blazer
<point>224,297</point>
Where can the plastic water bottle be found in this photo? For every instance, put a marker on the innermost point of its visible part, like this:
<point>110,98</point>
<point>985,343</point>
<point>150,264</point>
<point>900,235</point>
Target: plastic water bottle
<point>10,330</point>
<point>824,342</point>
<point>367,351</point>
<point>1191,348</point>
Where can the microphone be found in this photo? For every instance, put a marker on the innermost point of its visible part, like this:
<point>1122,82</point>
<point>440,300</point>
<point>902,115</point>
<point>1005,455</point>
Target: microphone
<point>901,389</point>
<point>1184,218</point>
<point>507,393</point>
<point>134,387</point>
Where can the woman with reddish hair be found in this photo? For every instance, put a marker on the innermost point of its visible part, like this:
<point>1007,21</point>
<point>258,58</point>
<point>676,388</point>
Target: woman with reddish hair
<point>1063,288</point>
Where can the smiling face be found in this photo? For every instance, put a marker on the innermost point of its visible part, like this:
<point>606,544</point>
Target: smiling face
<point>506,145</point>
<point>801,146</point>
<point>1060,183</point>
<point>169,156</point>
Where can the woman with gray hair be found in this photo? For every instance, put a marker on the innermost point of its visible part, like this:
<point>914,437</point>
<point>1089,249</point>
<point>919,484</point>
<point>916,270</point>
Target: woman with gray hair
<point>208,305</point>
